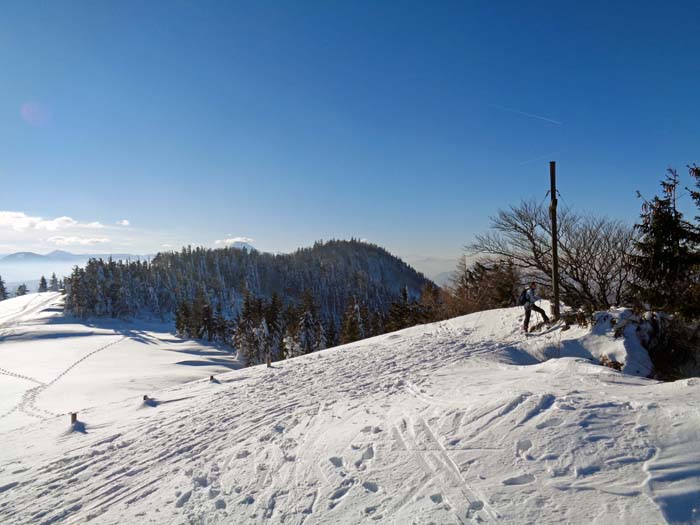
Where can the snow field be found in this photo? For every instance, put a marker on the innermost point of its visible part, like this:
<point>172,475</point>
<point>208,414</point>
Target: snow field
<point>51,365</point>
<point>463,421</point>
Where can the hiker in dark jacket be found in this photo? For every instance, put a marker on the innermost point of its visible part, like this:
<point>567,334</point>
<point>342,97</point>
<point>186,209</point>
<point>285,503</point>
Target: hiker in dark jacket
<point>530,299</point>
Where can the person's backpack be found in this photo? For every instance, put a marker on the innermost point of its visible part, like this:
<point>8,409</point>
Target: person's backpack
<point>523,297</point>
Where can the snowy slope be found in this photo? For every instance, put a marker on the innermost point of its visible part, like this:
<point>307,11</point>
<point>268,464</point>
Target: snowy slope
<point>464,421</point>
<point>51,365</point>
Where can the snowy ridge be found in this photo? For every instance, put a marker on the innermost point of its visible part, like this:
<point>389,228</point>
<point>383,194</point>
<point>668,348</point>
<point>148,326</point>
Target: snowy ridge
<point>462,421</point>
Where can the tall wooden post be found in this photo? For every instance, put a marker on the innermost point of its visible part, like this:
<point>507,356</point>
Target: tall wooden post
<point>555,251</point>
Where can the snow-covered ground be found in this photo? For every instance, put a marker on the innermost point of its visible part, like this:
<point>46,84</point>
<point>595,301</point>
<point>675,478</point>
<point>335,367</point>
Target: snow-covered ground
<point>51,365</point>
<point>463,421</point>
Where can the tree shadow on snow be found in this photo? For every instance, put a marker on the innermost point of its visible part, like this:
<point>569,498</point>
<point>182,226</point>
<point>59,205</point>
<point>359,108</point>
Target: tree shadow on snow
<point>231,365</point>
<point>33,336</point>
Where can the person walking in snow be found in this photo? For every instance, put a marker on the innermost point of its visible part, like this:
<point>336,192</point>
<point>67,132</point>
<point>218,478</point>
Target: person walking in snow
<point>528,300</point>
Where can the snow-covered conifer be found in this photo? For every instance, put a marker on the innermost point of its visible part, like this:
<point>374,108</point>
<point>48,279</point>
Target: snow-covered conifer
<point>53,283</point>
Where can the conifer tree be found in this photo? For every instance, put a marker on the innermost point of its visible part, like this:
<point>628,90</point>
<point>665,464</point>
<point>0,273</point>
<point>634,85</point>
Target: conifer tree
<point>245,339</point>
<point>399,313</point>
<point>376,324</point>
<point>306,333</point>
<point>207,322</point>
<point>331,334</point>
<point>182,319</point>
<point>3,290</point>
<point>53,283</point>
<point>352,324</point>
<point>307,324</point>
<point>220,325</point>
<point>43,286</point>
<point>197,315</point>
<point>21,290</point>
<point>262,343</point>
<point>665,256</point>
<point>274,317</point>
<point>320,336</point>
<point>290,346</point>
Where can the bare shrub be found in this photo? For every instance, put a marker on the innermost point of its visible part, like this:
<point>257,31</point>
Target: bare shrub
<point>593,252</point>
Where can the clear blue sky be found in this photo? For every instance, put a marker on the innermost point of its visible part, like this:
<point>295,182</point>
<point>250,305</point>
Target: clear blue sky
<point>406,123</point>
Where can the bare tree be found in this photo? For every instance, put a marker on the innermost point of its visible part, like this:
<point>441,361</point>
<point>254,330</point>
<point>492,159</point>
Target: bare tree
<point>594,268</point>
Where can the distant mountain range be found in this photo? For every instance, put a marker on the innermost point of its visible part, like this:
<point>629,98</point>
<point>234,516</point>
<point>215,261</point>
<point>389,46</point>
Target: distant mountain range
<point>60,255</point>
<point>28,267</point>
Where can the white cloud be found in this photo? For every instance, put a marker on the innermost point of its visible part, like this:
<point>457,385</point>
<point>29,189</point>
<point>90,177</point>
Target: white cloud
<point>19,221</point>
<point>123,222</point>
<point>166,245</point>
<point>234,240</point>
<point>59,240</point>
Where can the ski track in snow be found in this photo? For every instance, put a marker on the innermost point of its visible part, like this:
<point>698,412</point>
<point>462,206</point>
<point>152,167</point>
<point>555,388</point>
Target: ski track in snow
<point>435,424</point>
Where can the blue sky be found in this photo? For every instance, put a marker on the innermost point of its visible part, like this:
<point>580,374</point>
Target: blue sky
<point>406,123</point>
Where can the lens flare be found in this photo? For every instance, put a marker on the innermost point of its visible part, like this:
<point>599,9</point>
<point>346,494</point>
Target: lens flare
<point>34,114</point>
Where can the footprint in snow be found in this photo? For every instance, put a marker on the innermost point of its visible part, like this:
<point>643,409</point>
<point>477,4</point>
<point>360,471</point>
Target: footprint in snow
<point>582,472</point>
<point>476,505</point>
<point>340,492</point>
<point>521,448</point>
<point>184,498</point>
<point>366,455</point>
<point>370,486</point>
<point>523,479</point>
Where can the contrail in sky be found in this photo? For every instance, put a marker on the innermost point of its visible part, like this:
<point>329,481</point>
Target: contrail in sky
<point>531,115</point>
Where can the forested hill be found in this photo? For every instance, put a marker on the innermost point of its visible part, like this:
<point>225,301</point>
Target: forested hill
<point>336,273</point>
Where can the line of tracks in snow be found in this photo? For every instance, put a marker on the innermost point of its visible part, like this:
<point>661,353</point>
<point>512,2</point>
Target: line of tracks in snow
<point>27,404</point>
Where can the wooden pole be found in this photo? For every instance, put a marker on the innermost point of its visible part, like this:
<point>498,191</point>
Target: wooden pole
<point>555,251</point>
<point>73,418</point>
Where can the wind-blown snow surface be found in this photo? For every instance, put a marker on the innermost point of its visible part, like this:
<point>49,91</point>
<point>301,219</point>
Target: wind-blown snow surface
<point>453,422</point>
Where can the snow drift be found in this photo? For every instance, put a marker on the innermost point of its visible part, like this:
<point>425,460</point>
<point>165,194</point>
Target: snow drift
<point>463,421</point>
